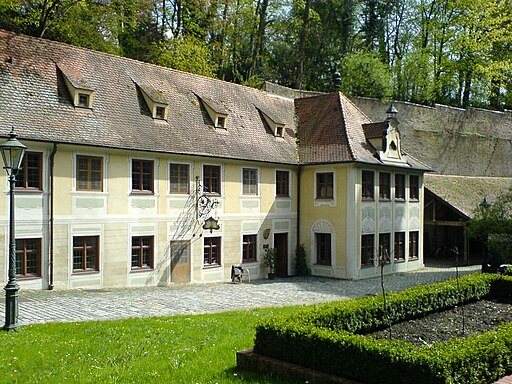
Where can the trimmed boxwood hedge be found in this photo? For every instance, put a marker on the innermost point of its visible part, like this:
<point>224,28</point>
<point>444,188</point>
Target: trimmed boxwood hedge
<point>330,338</point>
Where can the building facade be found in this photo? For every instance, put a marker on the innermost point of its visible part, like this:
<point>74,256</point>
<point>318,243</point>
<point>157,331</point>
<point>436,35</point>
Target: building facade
<point>127,162</point>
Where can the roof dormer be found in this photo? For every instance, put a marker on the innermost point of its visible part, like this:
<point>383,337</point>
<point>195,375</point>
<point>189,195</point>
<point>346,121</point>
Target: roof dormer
<point>155,100</point>
<point>80,90</point>
<point>273,121</point>
<point>384,137</point>
<point>217,112</point>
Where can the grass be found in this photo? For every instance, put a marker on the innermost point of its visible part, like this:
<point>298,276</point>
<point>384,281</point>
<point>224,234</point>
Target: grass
<point>178,349</point>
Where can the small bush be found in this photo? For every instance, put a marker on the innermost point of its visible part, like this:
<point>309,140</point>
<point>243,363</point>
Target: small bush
<point>330,338</point>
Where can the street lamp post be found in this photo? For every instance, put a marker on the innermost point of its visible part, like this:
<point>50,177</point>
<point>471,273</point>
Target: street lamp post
<point>12,155</point>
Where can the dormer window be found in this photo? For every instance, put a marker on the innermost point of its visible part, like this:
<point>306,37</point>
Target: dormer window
<point>160,113</point>
<point>83,100</point>
<point>155,100</point>
<point>221,122</point>
<point>216,110</point>
<point>80,90</point>
<point>274,122</point>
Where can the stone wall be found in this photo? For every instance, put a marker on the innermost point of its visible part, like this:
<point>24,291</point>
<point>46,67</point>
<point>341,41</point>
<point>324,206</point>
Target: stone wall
<point>455,141</point>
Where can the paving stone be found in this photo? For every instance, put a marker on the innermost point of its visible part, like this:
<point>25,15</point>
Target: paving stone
<point>82,305</point>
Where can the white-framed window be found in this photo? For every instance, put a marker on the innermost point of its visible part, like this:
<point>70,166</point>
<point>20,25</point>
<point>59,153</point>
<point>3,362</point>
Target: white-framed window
<point>212,179</point>
<point>250,181</point>
<point>179,178</point>
<point>89,173</point>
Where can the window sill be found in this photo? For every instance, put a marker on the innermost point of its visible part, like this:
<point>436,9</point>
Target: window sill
<point>249,261</point>
<point>399,200</point>
<point>212,266</point>
<point>399,261</point>
<point>322,265</point>
<point>142,193</point>
<point>141,270</point>
<point>371,199</point>
<point>366,266</point>
<point>384,200</point>
<point>28,277</point>
<point>82,272</point>
<point>28,190</point>
<point>413,258</point>
<point>414,200</point>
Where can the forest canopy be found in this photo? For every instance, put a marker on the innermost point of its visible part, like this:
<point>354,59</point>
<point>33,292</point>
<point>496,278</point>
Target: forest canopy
<point>454,52</point>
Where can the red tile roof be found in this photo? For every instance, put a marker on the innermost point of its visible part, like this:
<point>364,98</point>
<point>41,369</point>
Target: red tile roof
<point>34,98</point>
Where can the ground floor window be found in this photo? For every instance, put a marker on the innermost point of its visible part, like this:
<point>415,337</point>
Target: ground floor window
<point>323,248</point>
<point>399,247</point>
<point>413,245</point>
<point>211,254</point>
<point>367,246</point>
<point>142,252</point>
<point>249,248</point>
<point>385,247</point>
<point>28,258</point>
<point>86,253</point>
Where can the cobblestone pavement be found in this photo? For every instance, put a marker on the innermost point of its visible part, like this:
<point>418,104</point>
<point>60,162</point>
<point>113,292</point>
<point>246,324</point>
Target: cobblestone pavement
<point>84,305</point>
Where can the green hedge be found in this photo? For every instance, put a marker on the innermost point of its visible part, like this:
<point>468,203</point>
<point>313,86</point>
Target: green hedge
<point>330,338</point>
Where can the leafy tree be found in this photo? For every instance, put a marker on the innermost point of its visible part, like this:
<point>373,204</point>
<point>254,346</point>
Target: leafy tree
<point>186,54</point>
<point>495,223</point>
<point>363,74</point>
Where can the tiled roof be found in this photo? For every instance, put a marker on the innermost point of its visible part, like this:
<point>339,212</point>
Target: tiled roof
<point>374,130</point>
<point>464,193</point>
<point>34,98</point>
<point>330,129</point>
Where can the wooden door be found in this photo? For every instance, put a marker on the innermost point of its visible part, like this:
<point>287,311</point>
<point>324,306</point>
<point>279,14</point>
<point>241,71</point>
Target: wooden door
<point>180,262</point>
<point>281,244</point>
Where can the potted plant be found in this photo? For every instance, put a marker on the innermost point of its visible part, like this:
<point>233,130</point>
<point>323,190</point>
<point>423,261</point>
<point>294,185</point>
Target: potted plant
<point>270,260</point>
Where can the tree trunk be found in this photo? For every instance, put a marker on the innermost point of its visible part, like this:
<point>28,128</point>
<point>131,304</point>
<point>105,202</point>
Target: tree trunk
<point>260,36</point>
<point>302,46</point>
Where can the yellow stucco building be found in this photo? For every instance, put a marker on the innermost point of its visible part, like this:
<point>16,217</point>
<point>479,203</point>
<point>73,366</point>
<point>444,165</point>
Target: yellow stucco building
<point>127,161</point>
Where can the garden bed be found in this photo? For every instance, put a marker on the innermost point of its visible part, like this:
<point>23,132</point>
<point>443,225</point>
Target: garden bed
<point>334,338</point>
<point>462,321</point>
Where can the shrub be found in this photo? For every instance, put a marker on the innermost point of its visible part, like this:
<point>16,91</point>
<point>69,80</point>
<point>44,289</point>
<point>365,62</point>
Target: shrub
<point>330,338</point>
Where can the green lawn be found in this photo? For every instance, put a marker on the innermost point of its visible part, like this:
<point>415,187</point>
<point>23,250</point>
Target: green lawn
<point>178,349</point>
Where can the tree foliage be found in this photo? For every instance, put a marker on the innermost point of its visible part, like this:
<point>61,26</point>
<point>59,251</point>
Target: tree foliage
<point>456,52</point>
<point>494,223</point>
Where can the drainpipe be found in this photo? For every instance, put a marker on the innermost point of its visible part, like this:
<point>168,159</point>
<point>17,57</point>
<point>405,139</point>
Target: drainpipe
<point>50,219</point>
<point>298,207</point>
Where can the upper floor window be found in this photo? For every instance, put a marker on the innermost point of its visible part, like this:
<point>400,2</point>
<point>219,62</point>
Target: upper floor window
<point>250,181</point>
<point>89,173</point>
<point>28,257</point>
<point>414,187</point>
<point>142,175</point>
<point>179,178</point>
<point>323,248</point>
<point>384,186</point>
<point>324,185</point>
<point>368,184</point>
<point>86,253</point>
<point>211,179</point>
<point>249,248</point>
<point>282,183</point>
<point>211,252</point>
<point>30,174</point>
<point>142,252</point>
<point>400,186</point>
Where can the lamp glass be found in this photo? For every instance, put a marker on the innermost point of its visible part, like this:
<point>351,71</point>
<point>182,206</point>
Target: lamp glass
<point>12,153</point>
